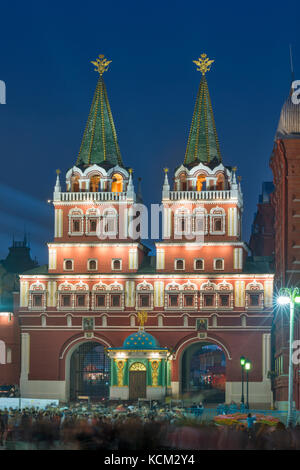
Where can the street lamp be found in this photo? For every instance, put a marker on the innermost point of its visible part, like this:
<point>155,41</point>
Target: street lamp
<point>242,362</point>
<point>290,296</point>
<point>248,366</point>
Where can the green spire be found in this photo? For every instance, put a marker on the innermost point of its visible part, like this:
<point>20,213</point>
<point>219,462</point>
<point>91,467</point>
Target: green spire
<point>99,143</point>
<point>203,144</point>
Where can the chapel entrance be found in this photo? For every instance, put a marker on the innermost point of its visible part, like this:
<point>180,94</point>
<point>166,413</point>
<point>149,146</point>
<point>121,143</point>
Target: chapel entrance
<point>89,372</point>
<point>137,381</point>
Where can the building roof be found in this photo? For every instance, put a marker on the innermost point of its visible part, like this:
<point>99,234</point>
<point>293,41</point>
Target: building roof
<point>99,143</point>
<point>289,121</point>
<point>203,143</point>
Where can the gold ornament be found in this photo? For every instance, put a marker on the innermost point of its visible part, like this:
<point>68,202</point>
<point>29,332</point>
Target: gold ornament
<point>155,366</point>
<point>204,64</point>
<point>142,318</point>
<point>101,64</point>
<point>120,366</point>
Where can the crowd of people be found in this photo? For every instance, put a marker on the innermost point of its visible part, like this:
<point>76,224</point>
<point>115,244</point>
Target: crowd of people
<point>131,428</point>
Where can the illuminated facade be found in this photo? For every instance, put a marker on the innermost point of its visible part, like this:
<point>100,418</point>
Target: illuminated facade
<point>202,287</point>
<point>285,165</point>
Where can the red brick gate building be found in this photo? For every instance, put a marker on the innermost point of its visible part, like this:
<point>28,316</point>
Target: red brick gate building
<point>202,288</point>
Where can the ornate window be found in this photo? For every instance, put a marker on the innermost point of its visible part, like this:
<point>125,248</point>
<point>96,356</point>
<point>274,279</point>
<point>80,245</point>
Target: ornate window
<point>92,221</point>
<point>182,223</point>
<point>65,296</point>
<point>110,223</point>
<point>208,295</point>
<point>81,296</point>
<point>217,221</point>
<point>254,295</point>
<point>225,295</point>
<point>200,218</point>
<point>76,219</point>
<point>100,296</point>
<point>116,296</point>
<point>173,296</point>
<point>37,297</point>
<point>144,295</point>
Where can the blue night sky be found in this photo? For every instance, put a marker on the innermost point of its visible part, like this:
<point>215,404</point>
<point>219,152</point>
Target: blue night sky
<point>46,49</point>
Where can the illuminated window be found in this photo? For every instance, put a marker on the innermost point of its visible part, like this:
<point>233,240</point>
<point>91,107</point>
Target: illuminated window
<point>117,183</point>
<point>94,183</point>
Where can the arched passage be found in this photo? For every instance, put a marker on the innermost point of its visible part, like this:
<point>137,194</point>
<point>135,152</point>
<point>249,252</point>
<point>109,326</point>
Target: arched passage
<point>89,371</point>
<point>203,372</point>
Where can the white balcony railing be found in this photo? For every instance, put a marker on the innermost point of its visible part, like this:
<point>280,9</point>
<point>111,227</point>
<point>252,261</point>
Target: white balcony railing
<point>87,196</point>
<point>200,195</point>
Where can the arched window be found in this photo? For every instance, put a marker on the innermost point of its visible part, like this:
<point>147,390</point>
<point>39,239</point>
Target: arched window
<point>220,182</point>
<point>117,183</point>
<point>200,221</point>
<point>182,222</point>
<point>92,264</point>
<point>219,263</point>
<point>76,217</point>
<point>110,222</point>
<point>68,264</point>
<point>179,264</point>
<point>217,221</point>
<point>95,183</point>
<point>183,182</point>
<point>116,264</point>
<point>199,264</point>
<point>75,183</point>
<point>200,183</point>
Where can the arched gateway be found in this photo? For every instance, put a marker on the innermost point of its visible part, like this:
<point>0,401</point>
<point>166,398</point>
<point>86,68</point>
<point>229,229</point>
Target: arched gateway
<point>89,372</point>
<point>203,372</point>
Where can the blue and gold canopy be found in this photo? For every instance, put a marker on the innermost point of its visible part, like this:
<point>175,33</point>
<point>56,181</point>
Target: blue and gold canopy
<point>140,340</point>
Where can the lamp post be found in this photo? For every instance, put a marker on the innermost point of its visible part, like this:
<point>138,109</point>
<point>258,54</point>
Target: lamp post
<point>242,362</point>
<point>290,296</point>
<point>248,366</point>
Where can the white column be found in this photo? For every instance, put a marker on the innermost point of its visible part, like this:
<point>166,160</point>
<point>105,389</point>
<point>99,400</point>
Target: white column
<point>25,355</point>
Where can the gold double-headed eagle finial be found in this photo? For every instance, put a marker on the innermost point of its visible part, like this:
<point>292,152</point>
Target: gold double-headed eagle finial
<point>204,64</point>
<point>142,318</point>
<point>101,64</point>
